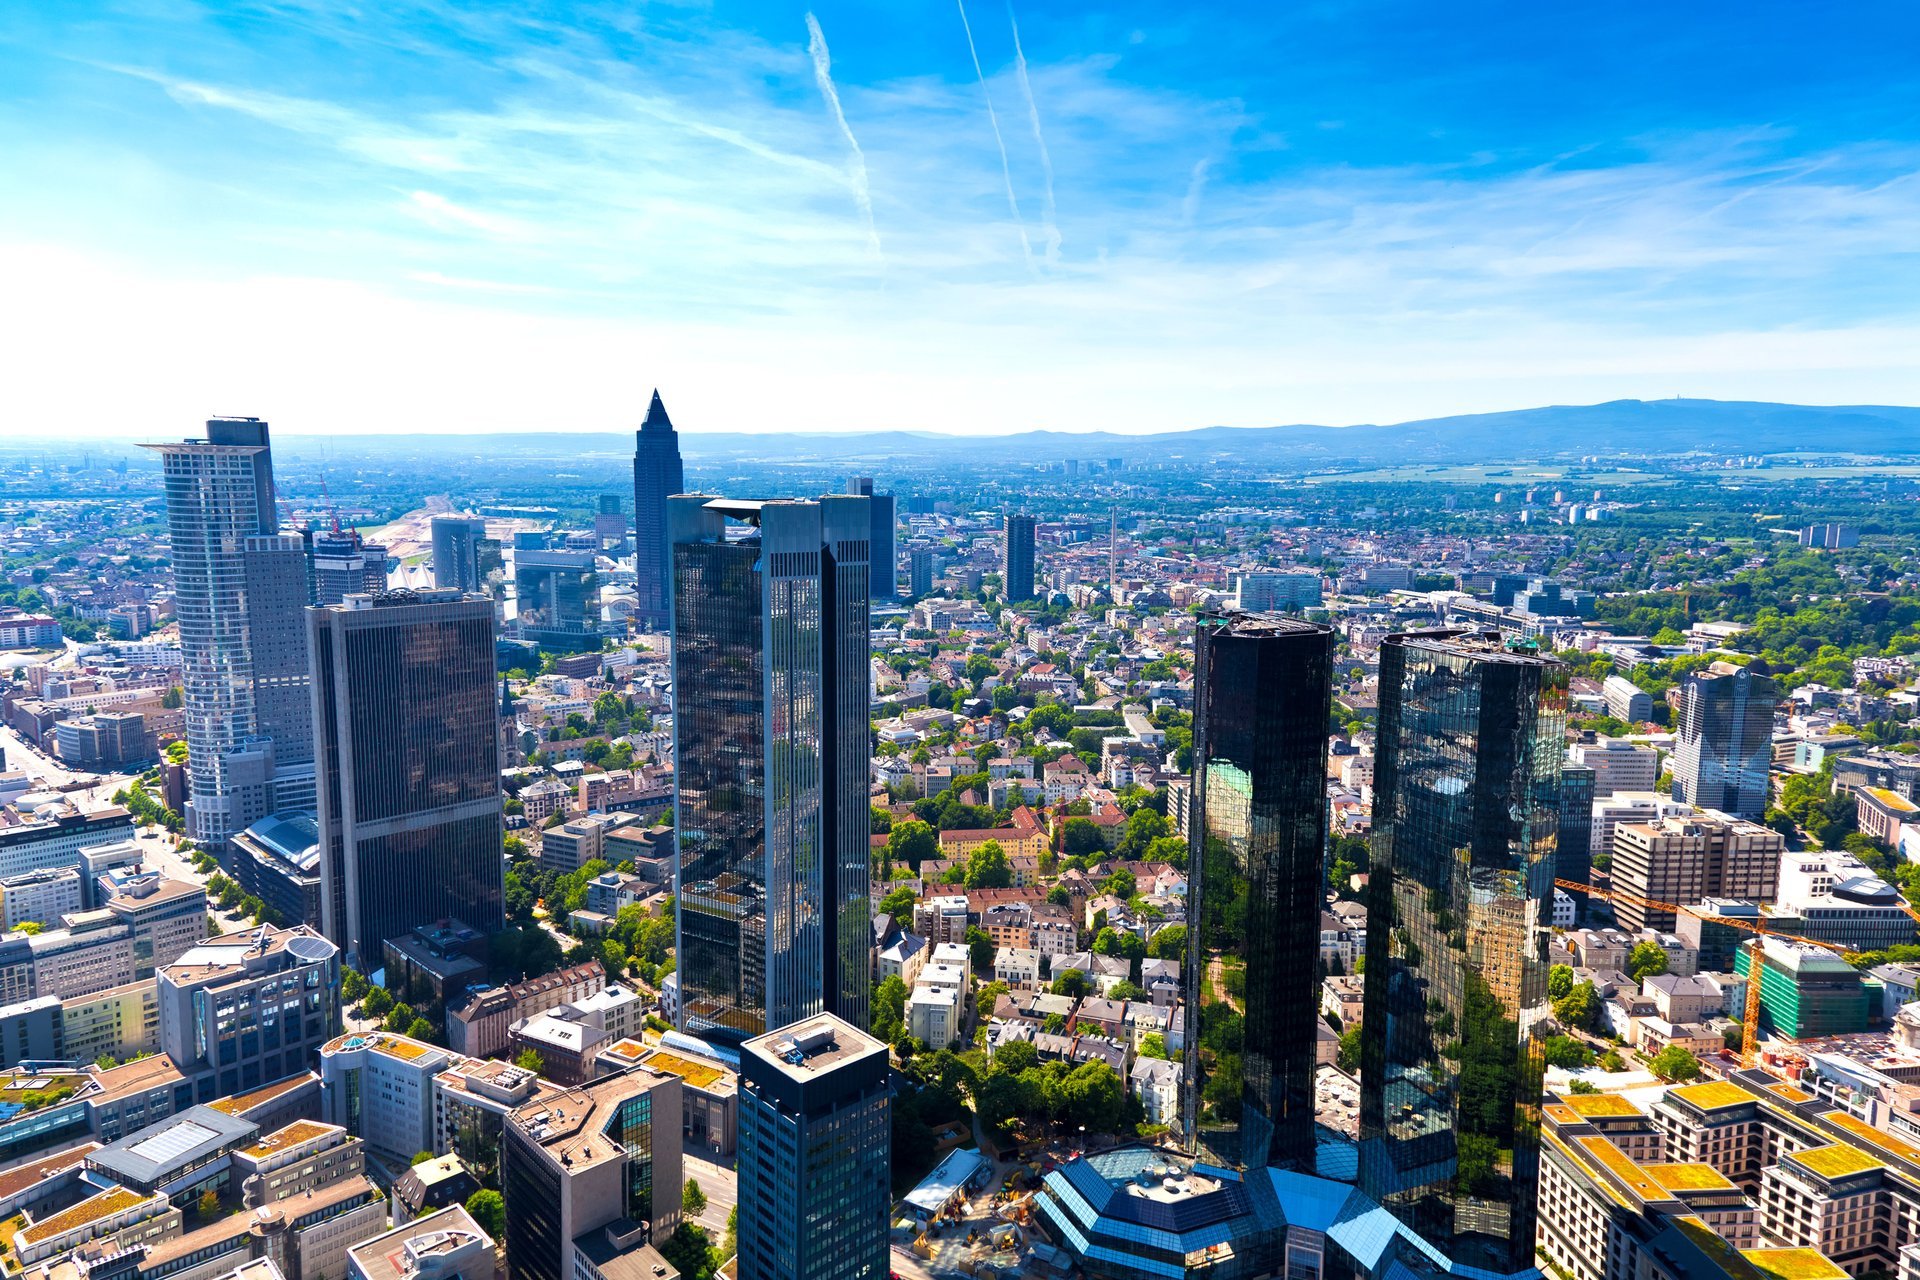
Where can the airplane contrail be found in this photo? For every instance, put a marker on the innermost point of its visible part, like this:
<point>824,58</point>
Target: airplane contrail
<point>1006,170</point>
<point>1033,117</point>
<point>823,75</point>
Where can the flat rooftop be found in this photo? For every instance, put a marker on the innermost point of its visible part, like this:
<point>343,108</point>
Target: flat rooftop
<point>569,1125</point>
<point>811,1046</point>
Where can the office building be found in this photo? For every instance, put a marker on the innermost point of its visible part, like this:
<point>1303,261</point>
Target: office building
<point>1830,537</point>
<point>1465,812</point>
<point>104,740</point>
<point>1016,559</point>
<point>381,1086</point>
<point>164,918</point>
<point>1626,700</point>
<point>245,1009</point>
<point>1573,850</point>
<point>880,552</point>
<point>277,860</point>
<point>1831,896</point>
<point>1278,592</point>
<point>610,524</point>
<point>40,897</point>
<point>772,758</point>
<point>657,476</point>
<point>446,1244</point>
<point>1617,765</point>
<point>1684,859</point>
<point>1261,691</point>
<point>54,837</point>
<point>1808,991</point>
<point>556,592</point>
<point>920,572</point>
<point>462,553</point>
<point>815,1153</point>
<point>343,564</point>
<point>410,813</point>
<point>591,1175</point>
<point>239,587</point>
<point>1725,741</point>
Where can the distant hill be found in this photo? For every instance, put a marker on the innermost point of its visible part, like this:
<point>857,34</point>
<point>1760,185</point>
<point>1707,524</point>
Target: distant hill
<point>1635,426</point>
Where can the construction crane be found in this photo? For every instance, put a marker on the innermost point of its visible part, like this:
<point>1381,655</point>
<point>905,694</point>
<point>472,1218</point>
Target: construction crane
<point>1750,1030</point>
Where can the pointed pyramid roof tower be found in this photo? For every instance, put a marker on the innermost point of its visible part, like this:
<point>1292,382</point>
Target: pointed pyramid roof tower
<point>657,419</point>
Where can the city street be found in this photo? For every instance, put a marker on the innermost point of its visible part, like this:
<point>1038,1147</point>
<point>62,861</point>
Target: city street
<point>717,1181</point>
<point>50,772</point>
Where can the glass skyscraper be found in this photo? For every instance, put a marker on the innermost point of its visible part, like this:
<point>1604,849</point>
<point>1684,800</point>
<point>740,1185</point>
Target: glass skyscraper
<point>1573,858</point>
<point>1465,816</point>
<point>816,1153</point>
<point>771,758</point>
<point>409,766</point>
<point>880,552</point>
<point>657,476</point>
<point>240,585</point>
<point>1016,560</point>
<point>1725,746</point>
<point>1258,831</point>
<point>458,562</point>
<point>556,591</point>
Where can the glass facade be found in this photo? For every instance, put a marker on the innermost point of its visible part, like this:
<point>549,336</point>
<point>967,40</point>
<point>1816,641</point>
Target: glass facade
<point>1017,558</point>
<point>1725,744</point>
<point>556,598</point>
<point>1465,817</point>
<point>657,476</point>
<point>771,751</point>
<point>1255,885</point>
<point>1573,855</point>
<point>409,766</point>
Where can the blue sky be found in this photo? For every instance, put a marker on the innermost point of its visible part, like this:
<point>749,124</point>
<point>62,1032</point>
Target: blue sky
<point>394,216</point>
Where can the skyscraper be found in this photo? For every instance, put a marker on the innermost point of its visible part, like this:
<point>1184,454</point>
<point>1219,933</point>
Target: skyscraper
<point>1726,741</point>
<point>1017,559</point>
<point>1573,852</point>
<point>1465,813</point>
<point>920,572</point>
<point>1258,831</point>
<point>456,552</point>
<point>886,568</point>
<point>771,754</point>
<point>815,1155</point>
<point>410,818</point>
<point>239,587</point>
<point>345,564</point>
<point>657,476</point>
<point>556,592</point>
<point>610,523</point>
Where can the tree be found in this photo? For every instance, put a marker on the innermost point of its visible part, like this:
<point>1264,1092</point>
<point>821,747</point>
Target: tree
<point>420,1029</point>
<point>979,947</point>
<point>1646,960</point>
<point>1347,1057</point>
<point>421,1157</point>
<point>530,1060</point>
<point>912,842</point>
<point>1080,837</point>
<point>1559,981</point>
<point>490,1211</point>
<point>1675,1064</point>
<point>1611,1061</point>
<point>889,1008</point>
<point>1567,1053</point>
<point>1169,944</point>
<point>376,1002</point>
<point>1071,982</point>
<point>1579,1009</point>
<point>693,1201</point>
<point>209,1204</point>
<point>353,986</point>
<point>988,868</point>
<point>686,1251</point>
<point>399,1018</point>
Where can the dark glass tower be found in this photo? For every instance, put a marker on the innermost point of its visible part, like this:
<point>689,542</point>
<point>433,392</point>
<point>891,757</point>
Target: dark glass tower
<point>1573,856</point>
<point>1017,558</point>
<point>456,552</point>
<point>1258,832</point>
<point>772,755</point>
<point>816,1153</point>
<point>657,476</point>
<point>1465,813</point>
<point>886,567</point>
<point>409,766</point>
<point>1725,747</point>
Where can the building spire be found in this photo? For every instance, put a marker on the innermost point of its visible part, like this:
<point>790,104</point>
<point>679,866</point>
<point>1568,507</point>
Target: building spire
<point>657,419</point>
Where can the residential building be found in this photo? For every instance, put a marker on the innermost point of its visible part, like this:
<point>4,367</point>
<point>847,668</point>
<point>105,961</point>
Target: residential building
<point>578,841</point>
<point>239,586</point>
<point>1261,688</point>
<point>1466,808</point>
<point>1725,741</point>
<point>410,811</point>
<point>815,1155</point>
<point>590,1174</point>
<point>771,753</point>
